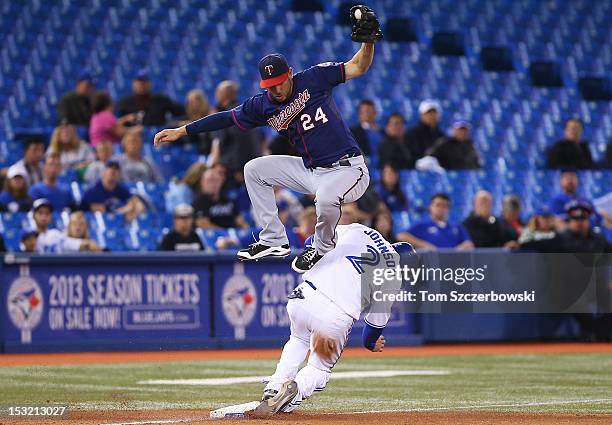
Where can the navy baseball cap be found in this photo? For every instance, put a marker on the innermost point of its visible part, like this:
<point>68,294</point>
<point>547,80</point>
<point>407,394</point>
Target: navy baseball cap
<point>544,211</point>
<point>86,76</point>
<point>113,164</point>
<point>578,209</point>
<point>142,75</point>
<point>273,69</point>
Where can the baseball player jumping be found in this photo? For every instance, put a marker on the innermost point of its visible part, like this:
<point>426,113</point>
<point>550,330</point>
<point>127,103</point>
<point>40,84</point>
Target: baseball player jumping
<point>323,308</point>
<point>300,107</point>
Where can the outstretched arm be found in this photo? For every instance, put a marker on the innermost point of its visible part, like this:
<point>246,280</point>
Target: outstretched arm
<point>212,122</point>
<point>360,63</point>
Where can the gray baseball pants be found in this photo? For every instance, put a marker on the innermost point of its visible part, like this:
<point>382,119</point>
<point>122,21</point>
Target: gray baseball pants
<point>331,186</point>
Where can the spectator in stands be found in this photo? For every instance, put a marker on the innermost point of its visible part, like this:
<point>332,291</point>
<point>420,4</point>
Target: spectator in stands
<point>383,223</point>
<point>110,195</point>
<point>540,226</point>
<point>75,106</point>
<point>183,236</point>
<point>104,124</point>
<point>369,205</point>
<point>151,108</point>
<point>394,149</point>
<point>568,181</point>
<point>78,229</point>
<point>571,151</point>
<point>456,152</point>
<point>437,231</point>
<point>134,166</point>
<point>484,228</point>
<point>2,245</point>
<point>52,240</point>
<point>197,107</point>
<point>184,191</point>
<point>14,197</point>
<point>232,146</point>
<point>578,237</point>
<point>31,163</point>
<point>28,241</point>
<point>511,217</point>
<point>367,132</point>
<point>49,189</point>
<point>422,136</point>
<point>74,153</point>
<point>389,190</point>
<point>104,152</point>
<point>213,209</point>
<point>308,221</point>
<point>349,214</point>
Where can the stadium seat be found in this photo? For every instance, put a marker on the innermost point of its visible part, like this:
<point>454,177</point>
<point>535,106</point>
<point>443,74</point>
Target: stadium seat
<point>545,74</point>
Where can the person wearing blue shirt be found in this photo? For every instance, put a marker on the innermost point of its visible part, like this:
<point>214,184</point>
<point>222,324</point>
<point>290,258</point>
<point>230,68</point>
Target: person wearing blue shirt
<point>110,195</point>
<point>59,197</point>
<point>568,181</point>
<point>436,231</point>
<point>390,191</point>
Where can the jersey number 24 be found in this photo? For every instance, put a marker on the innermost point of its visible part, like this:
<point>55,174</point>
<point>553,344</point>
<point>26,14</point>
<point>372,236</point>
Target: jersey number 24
<point>306,119</point>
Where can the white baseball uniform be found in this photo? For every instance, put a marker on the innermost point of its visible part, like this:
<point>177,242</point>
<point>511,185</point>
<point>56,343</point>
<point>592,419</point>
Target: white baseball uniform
<point>327,303</point>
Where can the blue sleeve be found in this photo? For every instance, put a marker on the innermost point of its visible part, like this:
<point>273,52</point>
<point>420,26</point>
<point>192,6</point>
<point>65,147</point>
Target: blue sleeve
<point>212,122</point>
<point>328,75</point>
<point>250,114</point>
<point>123,192</point>
<point>463,234</point>
<point>416,230</point>
<point>370,335</point>
<point>557,206</point>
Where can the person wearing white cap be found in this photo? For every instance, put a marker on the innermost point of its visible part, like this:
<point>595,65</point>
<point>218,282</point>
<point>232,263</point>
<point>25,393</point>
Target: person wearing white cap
<point>456,152</point>
<point>424,134</point>
<point>14,197</point>
<point>182,237</point>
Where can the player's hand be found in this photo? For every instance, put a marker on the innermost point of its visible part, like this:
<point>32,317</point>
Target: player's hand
<point>168,135</point>
<point>380,344</point>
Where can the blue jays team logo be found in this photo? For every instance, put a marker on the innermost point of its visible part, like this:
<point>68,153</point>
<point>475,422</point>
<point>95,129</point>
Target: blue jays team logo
<point>25,304</point>
<point>239,301</point>
<point>357,261</point>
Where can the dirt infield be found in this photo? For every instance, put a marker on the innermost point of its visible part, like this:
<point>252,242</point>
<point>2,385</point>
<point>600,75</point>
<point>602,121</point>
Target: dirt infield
<point>261,354</point>
<point>191,417</point>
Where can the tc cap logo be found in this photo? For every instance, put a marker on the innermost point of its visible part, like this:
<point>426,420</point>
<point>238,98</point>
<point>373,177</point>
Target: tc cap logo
<point>269,69</point>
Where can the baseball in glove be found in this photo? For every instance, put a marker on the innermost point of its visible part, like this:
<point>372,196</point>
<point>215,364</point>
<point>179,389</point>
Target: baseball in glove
<point>366,28</point>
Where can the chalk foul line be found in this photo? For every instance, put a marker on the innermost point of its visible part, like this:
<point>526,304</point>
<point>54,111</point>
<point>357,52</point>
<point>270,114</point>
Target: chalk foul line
<point>259,379</point>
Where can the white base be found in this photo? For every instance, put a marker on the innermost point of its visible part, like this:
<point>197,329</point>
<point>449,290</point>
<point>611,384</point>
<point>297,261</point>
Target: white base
<point>230,410</point>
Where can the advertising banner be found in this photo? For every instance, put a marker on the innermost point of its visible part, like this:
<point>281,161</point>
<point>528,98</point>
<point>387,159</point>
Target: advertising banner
<point>120,305</point>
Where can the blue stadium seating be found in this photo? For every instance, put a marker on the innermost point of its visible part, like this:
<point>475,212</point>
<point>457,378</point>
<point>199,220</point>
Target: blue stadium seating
<point>201,42</point>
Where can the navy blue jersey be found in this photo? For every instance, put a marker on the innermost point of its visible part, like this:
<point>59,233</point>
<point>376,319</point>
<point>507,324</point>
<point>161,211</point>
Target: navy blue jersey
<point>309,118</point>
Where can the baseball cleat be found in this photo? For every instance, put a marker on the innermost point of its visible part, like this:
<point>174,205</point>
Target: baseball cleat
<point>258,250</point>
<point>267,394</point>
<point>277,403</point>
<point>306,260</point>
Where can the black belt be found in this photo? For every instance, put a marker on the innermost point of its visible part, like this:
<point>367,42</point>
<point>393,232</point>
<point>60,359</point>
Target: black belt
<point>343,162</point>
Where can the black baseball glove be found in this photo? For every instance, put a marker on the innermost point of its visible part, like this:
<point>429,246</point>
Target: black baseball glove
<point>366,29</point>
